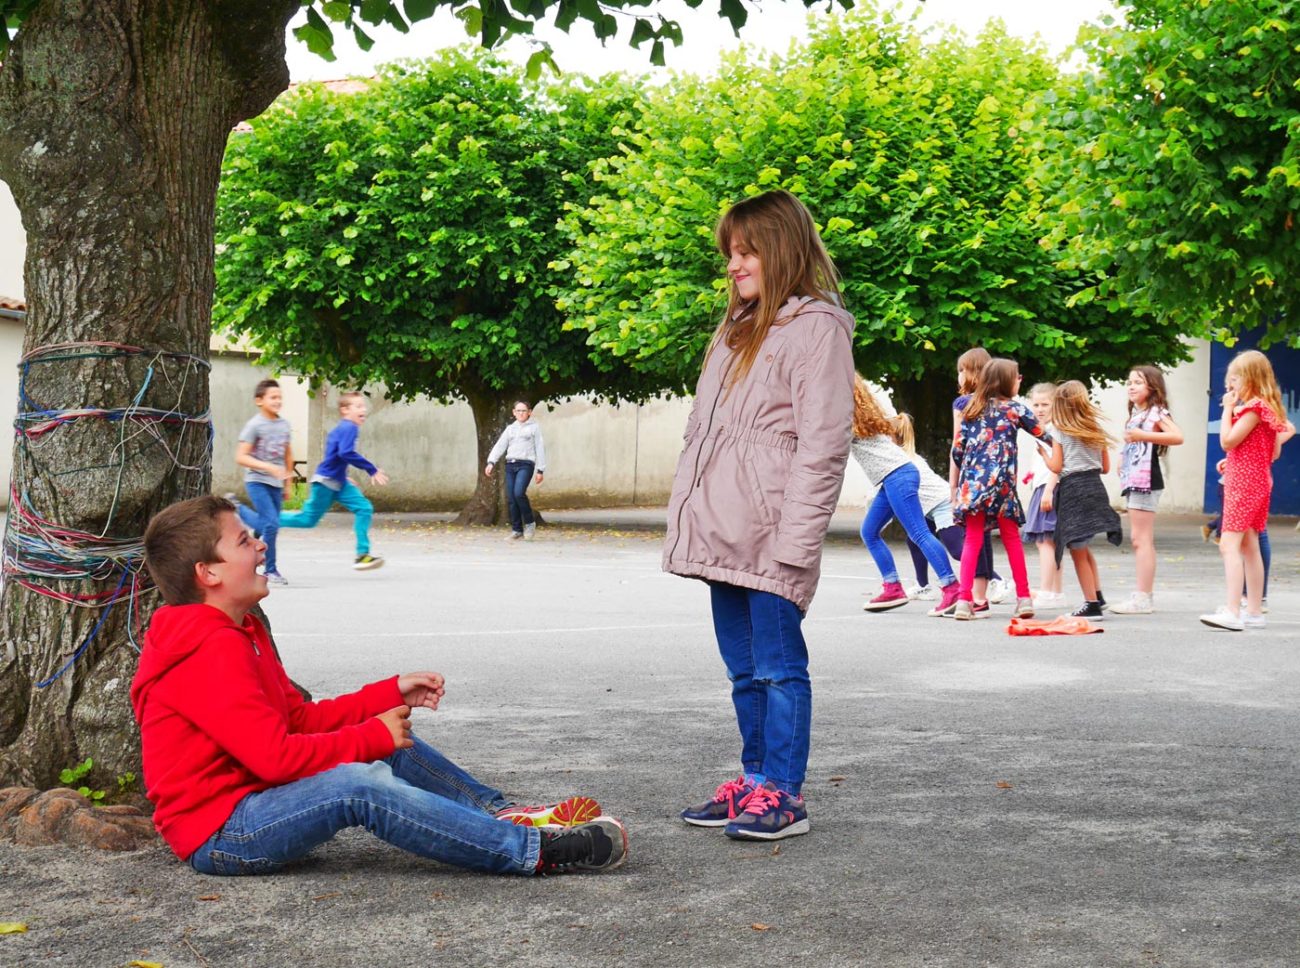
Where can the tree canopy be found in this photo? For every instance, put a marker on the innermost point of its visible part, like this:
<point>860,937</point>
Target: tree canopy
<point>1185,164</point>
<point>923,159</point>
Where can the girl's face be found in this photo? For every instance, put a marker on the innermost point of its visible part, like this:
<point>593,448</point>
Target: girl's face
<point>1042,407</point>
<point>1138,389</point>
<point>1233,382</point>
<point>745,269</point>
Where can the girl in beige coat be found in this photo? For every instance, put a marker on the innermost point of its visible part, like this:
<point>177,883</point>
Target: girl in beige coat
<point>766,445</point>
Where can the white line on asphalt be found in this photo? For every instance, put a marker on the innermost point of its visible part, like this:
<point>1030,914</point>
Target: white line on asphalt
<point>531,631</point>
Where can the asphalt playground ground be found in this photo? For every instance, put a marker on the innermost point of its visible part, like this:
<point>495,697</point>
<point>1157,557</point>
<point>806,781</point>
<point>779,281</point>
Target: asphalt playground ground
<point>1127,798</point>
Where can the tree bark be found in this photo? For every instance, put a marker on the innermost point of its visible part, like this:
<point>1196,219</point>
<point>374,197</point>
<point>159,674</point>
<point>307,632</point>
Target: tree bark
<point>491,416</point>
<point>114,116</point>
<point>929,401</point>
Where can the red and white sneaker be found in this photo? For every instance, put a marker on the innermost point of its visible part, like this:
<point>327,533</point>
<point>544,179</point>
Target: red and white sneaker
<point>891,596</point>
<point>566,813</point>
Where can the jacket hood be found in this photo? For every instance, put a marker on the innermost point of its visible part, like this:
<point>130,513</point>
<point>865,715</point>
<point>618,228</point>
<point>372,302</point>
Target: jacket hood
<point>175,633</point>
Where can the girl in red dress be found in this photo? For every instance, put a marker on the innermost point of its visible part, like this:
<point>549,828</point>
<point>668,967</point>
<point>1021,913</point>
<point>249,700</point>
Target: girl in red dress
<point>1253,426</point>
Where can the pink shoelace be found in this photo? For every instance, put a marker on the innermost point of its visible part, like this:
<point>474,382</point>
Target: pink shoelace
<point>762,800</point>
<point>727,791</point>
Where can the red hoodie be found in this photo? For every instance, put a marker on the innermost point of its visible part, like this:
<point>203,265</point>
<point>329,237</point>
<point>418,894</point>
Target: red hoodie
<point>219,720</point>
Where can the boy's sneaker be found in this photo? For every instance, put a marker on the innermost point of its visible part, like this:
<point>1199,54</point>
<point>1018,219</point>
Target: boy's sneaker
<point>998,590</point>
<point>1024,608</point>
<point>275,578</point>
<point>891,596</point>
<point>924,593</point>
<point>530,531</point>
<point>367,562</point>
<point>566,813</point>
<point>1089,610</point>
<point>724,806</point>
<point>948,602</point>
<point>770,814</point>
<point>1253,621</point>
<point>1139,603</point>
<point>963,612</point>
<point>514,535</point>
<point>600,845</point>
<point>1221,618</point>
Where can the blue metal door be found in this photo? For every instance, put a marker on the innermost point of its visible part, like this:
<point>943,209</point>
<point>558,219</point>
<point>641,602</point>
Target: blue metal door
<point>1286,471</point>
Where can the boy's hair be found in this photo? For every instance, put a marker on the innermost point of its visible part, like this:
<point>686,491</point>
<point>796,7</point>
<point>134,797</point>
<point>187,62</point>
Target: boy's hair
<point>996,381</point>
<point>780,230</point>
<point>1047,388</point>
<point>259,391</point>
<point>1258,380</point>
<point>178,538</point>
<point>349,396</point>
<point>868,416</point>
<point>525,403</point>
<point>971,364</point>
<point>1074,413</point>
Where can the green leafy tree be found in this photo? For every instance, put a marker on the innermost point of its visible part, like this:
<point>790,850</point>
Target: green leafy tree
<point>922,159</point>
<point>404,234</point>
<point>1184,164</point>
<point>114,116</point>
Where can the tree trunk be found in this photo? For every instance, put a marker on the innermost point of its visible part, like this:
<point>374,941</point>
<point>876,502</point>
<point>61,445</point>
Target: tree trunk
<point>929,401</point>
<point>491,416</point>
<point>114,116</point>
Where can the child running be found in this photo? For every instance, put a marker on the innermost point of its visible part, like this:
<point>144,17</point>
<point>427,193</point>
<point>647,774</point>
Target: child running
<point>1040,518</point>
<point>1253,421</point>
<point>1149,432</point>
<point>330,482</point>
<point>766,446</point>
<point>988,587</point>
<point>1080,456</point>
<point>246,777</point>
<point>984,451</point>
<point>267,459</point>
<point>889,468</point>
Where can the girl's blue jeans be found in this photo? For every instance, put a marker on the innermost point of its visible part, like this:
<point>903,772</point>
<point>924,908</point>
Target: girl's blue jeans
<point>416,799</point>
<point>763,649</point>
<point>264,516</point>
<point>518,475</point>
<point>897,498</point>
<point>318,502</point>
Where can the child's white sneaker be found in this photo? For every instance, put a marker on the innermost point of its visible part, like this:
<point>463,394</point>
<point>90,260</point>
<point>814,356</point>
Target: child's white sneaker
<point>1221,618</point>
<point>924,593</point>
<point>1253,621</point>
<point>998,591</point>
<point>1044,601</point>
<point>1139,603</point>
<point>530,531</point>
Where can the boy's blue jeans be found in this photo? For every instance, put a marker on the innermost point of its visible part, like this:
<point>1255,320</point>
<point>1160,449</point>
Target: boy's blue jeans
<point>897,498</point>
<point>264,516</point>
<point>416,799</point>
<point>319,501</point>
<point>518,475</point>
<point>763,649</point>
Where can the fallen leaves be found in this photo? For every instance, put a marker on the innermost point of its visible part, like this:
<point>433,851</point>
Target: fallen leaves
<point>12,927</point>
<point>209,897</point>
<point>1004,785</point>
<point>759,926</point>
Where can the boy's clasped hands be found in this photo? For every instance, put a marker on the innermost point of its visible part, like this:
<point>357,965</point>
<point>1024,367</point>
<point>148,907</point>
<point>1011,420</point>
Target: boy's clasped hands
<point>418,689</point>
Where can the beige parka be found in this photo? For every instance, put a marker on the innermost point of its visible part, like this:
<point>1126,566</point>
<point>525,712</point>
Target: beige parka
<point>764,462</point>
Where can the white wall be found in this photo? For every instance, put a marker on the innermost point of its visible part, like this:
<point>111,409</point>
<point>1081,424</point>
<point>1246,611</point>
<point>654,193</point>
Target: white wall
<point>13,246</point>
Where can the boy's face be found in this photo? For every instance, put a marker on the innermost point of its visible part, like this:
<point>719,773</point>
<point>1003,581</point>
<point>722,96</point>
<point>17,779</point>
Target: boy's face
<point>271,401</point>
<point>522,412</point>
<point>232,583</point>
<point>354,410</point>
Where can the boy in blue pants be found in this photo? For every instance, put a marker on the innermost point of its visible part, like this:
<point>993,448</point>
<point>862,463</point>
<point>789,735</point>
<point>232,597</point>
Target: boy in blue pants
<point>267,459</point>
<point>330,482</point>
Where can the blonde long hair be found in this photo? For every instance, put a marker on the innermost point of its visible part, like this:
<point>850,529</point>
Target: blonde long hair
<point>779,229</point>
<point>869,419</point>
<point>1074,413</point>
<point>1258,380</point>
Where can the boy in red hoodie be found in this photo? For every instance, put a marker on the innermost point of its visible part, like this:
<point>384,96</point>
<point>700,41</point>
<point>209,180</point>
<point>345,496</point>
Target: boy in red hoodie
<point>245,776</point>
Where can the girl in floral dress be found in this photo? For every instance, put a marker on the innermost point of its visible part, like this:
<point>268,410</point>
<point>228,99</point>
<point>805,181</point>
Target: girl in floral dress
<point>984,451</point>
<point>1253,425</point>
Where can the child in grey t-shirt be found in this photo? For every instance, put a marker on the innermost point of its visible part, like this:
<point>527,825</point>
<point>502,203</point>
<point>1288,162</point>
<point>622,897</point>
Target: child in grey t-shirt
<point>267,459</point>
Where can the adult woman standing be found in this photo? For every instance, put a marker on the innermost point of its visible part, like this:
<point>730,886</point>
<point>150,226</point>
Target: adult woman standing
<point>766,446</point>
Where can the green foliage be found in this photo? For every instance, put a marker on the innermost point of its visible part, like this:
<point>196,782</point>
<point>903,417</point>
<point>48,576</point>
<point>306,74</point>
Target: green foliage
<point>404,233</point>
<point>922,162</point>
<point>72,774</point>
<point>1185,163</point>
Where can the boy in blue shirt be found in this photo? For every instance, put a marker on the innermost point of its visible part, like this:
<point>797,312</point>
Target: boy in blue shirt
<point>330,482</point>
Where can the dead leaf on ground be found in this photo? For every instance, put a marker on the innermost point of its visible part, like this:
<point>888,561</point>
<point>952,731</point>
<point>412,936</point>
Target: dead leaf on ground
<point>209,897</point>
<point>776,850</point>
<point>12,927</point>
<point>838,779</point>
<point>1004,785</point>
<point>326,896</point>
<point>145,964</point>
<point>759,926</point>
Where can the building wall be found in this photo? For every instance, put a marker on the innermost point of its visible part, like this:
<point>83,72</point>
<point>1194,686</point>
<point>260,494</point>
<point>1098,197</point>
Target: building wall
<point>13,246</point>
<point>234,375</point>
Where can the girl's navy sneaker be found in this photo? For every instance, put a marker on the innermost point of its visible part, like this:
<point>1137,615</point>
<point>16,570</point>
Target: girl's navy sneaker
<point>769,814</point>
<point>724,806</point>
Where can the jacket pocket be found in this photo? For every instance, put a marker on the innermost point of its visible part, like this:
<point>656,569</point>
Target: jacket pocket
<point>765,512</point>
